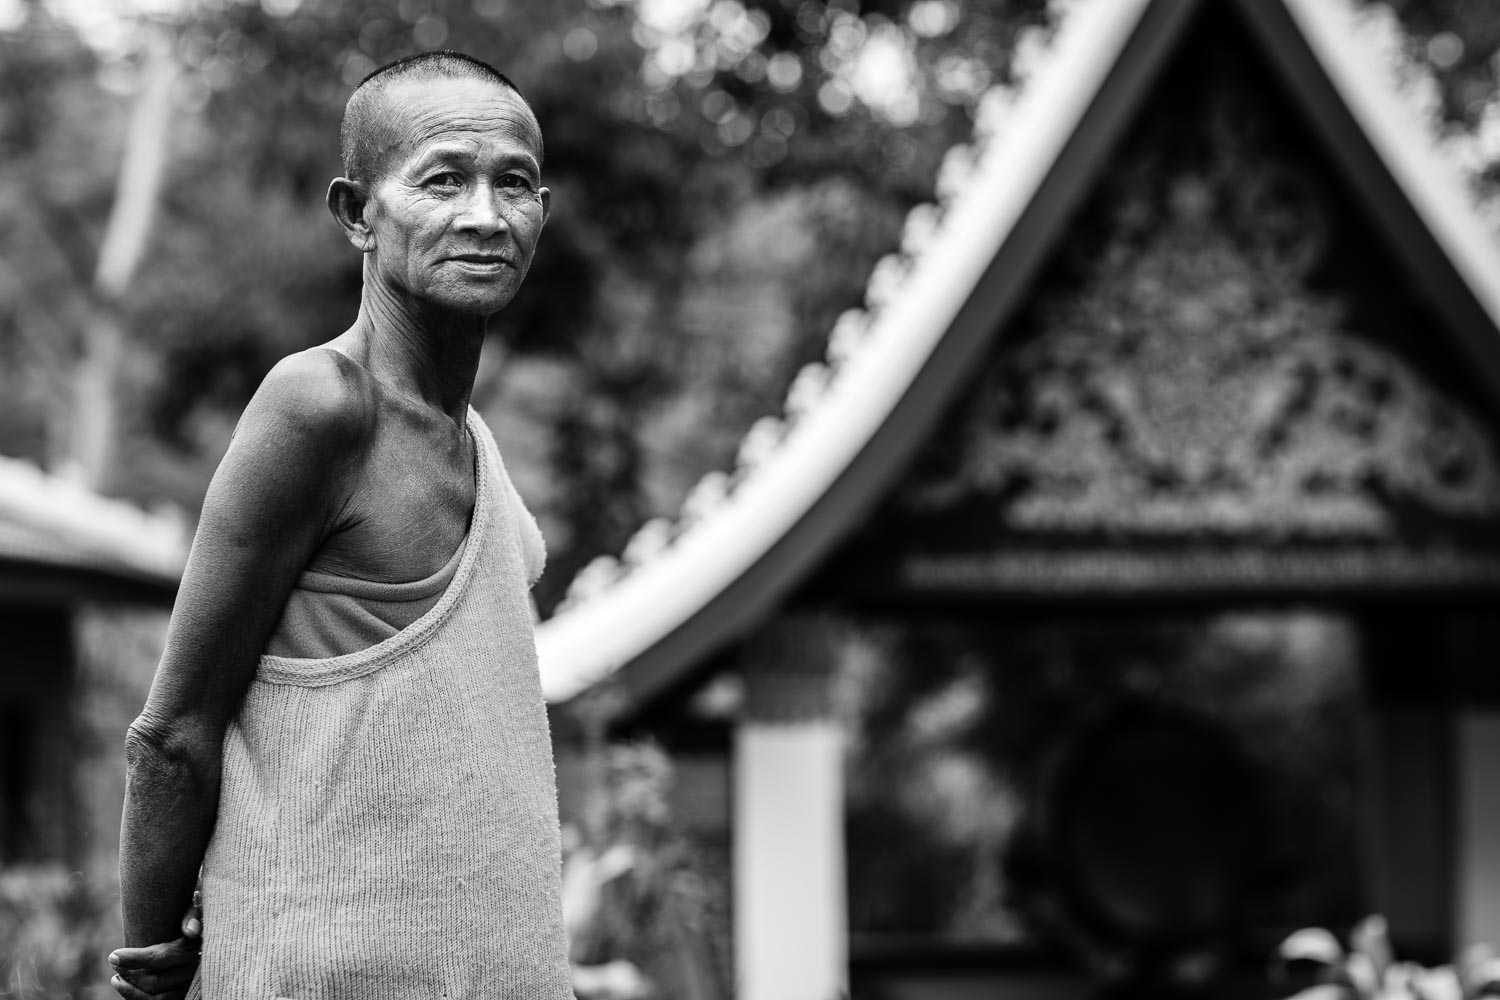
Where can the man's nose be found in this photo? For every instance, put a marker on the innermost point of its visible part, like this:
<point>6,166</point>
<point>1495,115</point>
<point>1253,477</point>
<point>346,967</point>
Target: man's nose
<point>482,214</point>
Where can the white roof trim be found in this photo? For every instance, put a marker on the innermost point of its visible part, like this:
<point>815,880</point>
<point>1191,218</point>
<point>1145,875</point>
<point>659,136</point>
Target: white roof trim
<point>106,533</point>
<point>1435,187</point>
<point>586,642</point>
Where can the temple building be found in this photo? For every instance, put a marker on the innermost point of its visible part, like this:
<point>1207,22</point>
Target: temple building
<point>1120,594</point>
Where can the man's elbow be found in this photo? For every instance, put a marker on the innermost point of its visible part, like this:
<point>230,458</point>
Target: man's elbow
<point>178,760</point>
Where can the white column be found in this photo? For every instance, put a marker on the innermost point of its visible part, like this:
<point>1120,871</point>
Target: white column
<point>1477,874</point>
<point>790,906</point>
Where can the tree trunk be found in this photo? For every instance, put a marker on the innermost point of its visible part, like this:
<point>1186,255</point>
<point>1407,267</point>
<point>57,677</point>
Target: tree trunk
<point>94,427</point>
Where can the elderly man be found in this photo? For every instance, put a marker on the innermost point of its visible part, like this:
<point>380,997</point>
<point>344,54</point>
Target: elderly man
<point>346,731</point>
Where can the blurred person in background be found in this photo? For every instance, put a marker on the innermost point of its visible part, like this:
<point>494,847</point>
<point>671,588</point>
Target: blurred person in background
<point>346,735</point>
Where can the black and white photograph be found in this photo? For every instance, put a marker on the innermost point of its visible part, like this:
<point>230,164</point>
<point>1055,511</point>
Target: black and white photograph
<point>749,499</point>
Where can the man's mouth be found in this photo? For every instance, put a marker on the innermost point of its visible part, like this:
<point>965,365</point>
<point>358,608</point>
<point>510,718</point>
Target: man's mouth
<point>484,259</point>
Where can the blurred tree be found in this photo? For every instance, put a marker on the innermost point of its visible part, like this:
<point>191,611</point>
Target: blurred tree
<point>725,173</point>
<point>50,101</point>
<point>633,886</point>
<point>691,266</point>
<point>1460,40</point>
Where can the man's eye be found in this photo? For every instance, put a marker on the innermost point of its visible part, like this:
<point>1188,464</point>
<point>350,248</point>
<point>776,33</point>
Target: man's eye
<point>518,181</point>
<point>445,179</point>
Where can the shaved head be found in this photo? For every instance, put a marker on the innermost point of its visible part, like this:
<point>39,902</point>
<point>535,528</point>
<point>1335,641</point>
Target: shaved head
<point>371,126</point>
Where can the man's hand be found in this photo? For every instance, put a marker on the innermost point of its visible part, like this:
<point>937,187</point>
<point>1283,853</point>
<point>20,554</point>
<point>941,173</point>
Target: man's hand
<point>160,971</point>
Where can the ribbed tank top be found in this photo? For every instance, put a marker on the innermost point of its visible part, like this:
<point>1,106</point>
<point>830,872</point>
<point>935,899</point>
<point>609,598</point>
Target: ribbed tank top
<point>387,822</point>
<point>330,615</point>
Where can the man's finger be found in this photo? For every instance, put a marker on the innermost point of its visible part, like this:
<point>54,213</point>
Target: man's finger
<point>127,989</point>
<point>155,957</point>
<point>129,992</point>
<point>167,981</point>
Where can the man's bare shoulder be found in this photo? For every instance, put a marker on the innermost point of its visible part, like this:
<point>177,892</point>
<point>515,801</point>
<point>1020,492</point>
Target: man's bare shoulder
<point>295,457</point>
<point>317,400</point>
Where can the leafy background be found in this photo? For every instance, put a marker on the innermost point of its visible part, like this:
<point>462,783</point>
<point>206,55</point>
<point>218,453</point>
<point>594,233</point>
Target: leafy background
<point>724,175</point>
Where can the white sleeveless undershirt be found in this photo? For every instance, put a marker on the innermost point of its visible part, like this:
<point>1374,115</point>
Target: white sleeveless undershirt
<point>387,822</point>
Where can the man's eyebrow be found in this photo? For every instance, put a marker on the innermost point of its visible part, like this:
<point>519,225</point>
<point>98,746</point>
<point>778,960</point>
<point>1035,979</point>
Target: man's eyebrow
<point>445,154</point>
<point>457,153</point>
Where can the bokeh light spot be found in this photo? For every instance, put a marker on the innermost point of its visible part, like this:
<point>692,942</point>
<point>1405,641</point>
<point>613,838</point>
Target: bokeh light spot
<point>717,106</point>
<point>430,32</point>
<point>784,71</point>
<point>736,129</point>
<point>580,44</point>
<point>931,18</point>
<point>834,97</point>
<point>675,56</point>
<point>669,17</point>
<point>1445,49</point>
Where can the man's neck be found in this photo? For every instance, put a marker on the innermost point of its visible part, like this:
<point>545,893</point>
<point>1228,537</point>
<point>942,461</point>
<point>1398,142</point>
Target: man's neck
<point>422,352</point>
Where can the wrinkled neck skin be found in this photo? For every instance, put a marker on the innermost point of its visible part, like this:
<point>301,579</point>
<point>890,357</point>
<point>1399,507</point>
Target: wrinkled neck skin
<point>421,350</point>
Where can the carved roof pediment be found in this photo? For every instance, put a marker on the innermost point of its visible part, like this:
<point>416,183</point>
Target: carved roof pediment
<point>1221,375</point>
<point>1127,352</point>
<point>1196,385</point>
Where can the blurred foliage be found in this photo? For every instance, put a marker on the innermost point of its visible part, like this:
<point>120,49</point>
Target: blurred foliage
<point>57,930</point>
<point>1460,40</point>
<point>1312,964</point>
<point>59,878</point>
<point>710,223</point>
<point>635,891</point>
<point>724,175</point>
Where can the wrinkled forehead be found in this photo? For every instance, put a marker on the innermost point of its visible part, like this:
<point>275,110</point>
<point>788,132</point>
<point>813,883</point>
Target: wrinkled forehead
<point>418,113</point>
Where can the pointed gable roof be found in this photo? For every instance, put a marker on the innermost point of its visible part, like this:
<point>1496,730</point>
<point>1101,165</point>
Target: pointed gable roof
<point>853,424</point>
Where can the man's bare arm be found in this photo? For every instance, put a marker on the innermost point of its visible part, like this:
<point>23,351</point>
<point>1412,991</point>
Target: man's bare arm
<point>279,492</point>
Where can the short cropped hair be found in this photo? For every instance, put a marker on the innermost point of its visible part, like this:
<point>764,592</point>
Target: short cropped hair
<point>360,129</point>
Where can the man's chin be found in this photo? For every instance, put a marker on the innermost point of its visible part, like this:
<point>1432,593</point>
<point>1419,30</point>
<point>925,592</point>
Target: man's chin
<point>476,301</point>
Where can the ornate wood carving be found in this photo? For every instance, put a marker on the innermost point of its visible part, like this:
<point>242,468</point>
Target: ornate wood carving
<point>1196,382</point>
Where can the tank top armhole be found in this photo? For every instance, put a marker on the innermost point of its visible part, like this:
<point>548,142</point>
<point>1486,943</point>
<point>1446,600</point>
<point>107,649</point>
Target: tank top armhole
<point>529,538</point>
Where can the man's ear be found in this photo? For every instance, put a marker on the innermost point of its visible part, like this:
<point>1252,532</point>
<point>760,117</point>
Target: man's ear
<point>546,197</point>
<point>347,201</point>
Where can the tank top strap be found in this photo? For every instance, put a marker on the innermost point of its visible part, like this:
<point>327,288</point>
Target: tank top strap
<point>486,521</point>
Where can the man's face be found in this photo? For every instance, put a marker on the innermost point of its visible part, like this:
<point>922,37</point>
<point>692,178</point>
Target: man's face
<point>457,205</point>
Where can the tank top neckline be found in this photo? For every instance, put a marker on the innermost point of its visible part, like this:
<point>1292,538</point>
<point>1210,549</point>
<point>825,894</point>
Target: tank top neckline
<point>384,590</point>
<point>334,669</point>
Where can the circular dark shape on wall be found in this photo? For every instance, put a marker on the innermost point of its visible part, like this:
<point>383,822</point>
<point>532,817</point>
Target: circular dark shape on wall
<point>1155,825</point>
